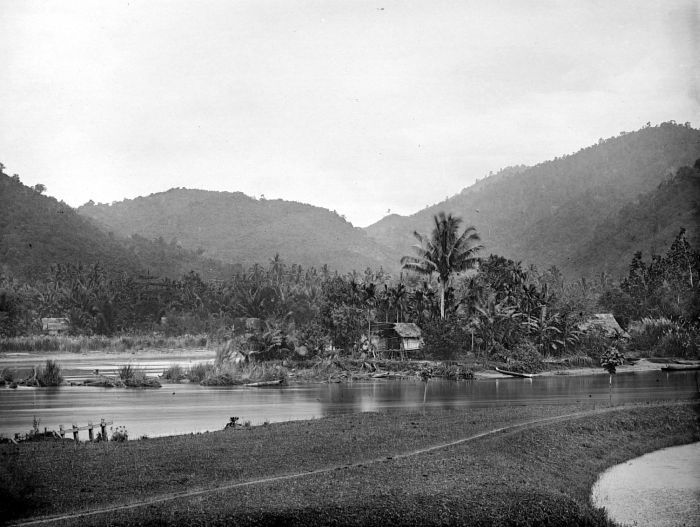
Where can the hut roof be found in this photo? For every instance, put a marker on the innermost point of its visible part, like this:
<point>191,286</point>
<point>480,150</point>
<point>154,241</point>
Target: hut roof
<point>407,330</point>
<point>604,321</point>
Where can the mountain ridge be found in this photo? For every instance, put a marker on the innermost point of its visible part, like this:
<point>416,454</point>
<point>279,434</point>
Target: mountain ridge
<point>541,214</point>
<point>236,228</point>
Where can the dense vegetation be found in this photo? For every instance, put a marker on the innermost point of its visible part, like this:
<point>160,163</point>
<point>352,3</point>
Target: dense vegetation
<point>502,312</point>
<point>564,212</point>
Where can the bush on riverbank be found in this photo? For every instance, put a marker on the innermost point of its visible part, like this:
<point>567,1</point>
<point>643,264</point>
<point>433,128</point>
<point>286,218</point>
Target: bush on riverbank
<point>136,378</point>
<point>662,337</point>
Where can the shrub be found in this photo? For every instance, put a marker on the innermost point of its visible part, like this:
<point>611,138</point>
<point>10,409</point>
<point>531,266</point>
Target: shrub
<point>7,375</point>
<point>120,434</point>
<point>611,359</point>
<point>594,342</point>
<point>445,338</point>
<point>49,374</point>
<point>126,372</point>
<point>525,358</point>
<point>313,337</point>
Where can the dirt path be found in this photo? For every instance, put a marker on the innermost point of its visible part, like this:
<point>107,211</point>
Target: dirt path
<point>513,428</point>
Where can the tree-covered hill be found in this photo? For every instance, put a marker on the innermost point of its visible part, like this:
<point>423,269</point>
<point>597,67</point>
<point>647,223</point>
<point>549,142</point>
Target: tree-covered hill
<point>545,214</point>
<point>37,231</point>
<point>236,228</point>
<point>647,224</point>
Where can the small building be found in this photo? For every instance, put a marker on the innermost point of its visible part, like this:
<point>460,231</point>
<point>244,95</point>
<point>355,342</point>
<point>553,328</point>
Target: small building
<point>55,326</point>
<point>410,336</point>
<point>605,322</point>
<point>399,337</point>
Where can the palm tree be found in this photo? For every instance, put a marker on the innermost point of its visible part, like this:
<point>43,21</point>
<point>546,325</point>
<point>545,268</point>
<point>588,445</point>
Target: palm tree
<point>445,252</point>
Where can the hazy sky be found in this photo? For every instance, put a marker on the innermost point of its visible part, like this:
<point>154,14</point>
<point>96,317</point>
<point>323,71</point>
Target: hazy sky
<point>356,106</point>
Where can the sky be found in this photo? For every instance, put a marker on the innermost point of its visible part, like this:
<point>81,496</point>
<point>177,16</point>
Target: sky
<point>363,107</point>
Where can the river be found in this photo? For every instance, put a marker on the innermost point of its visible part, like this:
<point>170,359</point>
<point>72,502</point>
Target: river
<point>186,408</point>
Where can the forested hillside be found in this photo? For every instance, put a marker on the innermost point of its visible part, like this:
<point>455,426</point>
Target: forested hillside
<point>546,213</point>
<point>648,223</point>
<point>236,228</point>
<point>37,231</point>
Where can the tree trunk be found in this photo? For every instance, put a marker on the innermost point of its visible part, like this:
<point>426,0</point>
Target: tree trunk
<point>442,300</point>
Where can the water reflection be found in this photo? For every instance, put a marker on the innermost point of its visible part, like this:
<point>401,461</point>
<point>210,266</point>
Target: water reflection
<point>183,408</point>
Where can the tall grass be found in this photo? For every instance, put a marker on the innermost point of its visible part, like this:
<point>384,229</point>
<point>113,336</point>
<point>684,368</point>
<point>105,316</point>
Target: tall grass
<point>647,333</point>
<point>199,371</point>
<point>174,373</point>
<point>98,343</point>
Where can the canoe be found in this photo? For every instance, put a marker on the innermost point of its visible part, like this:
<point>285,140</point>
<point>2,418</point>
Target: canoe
<point>516,374</point>
<point>264,383</point>
<point>680,367</point>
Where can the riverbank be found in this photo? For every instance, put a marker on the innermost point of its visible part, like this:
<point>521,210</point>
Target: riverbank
<point>307,370</point>
<point>356,469</point>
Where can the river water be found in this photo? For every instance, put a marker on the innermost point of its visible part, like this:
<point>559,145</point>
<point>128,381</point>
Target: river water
<point>186,408</point>
<point>660,489</point>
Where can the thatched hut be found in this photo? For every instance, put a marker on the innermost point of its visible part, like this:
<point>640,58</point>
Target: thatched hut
<point>399,337</point>
<point>605,322</point>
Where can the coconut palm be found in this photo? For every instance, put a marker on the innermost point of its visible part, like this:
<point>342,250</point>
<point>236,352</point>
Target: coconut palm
<point>446,252</point>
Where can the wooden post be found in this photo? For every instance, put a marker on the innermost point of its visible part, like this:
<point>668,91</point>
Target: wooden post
<point>90,434</point>
<point>103,426</point>
<point>61,431</point>
<point>75,433</point>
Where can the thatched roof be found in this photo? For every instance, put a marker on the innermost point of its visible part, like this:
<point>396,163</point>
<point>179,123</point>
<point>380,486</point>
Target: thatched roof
<point>606,322</point>
<point>407,330</point>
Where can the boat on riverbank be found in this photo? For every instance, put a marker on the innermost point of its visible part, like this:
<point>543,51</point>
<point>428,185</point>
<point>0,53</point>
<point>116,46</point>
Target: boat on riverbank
<point>516,374</point>
<point>680,367</point>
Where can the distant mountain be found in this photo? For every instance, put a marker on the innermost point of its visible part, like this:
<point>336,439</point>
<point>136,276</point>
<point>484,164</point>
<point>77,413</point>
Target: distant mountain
<point>37,231</point>
<point>547,214</point>
<point>235,228</point>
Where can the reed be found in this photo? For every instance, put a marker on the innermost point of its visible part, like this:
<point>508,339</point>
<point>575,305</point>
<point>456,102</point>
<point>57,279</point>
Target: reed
<point>77,344</point>
<point>49,374</point>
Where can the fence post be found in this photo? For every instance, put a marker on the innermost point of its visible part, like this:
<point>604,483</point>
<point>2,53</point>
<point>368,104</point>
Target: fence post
<point>103,426</point>
<point>90,434</point>
<point>61,431</point>
<point>75,433</point>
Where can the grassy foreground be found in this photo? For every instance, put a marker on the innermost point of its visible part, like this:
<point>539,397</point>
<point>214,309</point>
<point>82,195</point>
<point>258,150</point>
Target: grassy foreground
<point>534,475</point>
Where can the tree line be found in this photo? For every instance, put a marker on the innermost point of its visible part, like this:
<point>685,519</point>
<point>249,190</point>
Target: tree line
<point>492,306</point>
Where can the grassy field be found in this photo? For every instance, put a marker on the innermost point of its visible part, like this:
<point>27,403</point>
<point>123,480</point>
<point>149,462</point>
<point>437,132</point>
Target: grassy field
<point>359,469</point>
